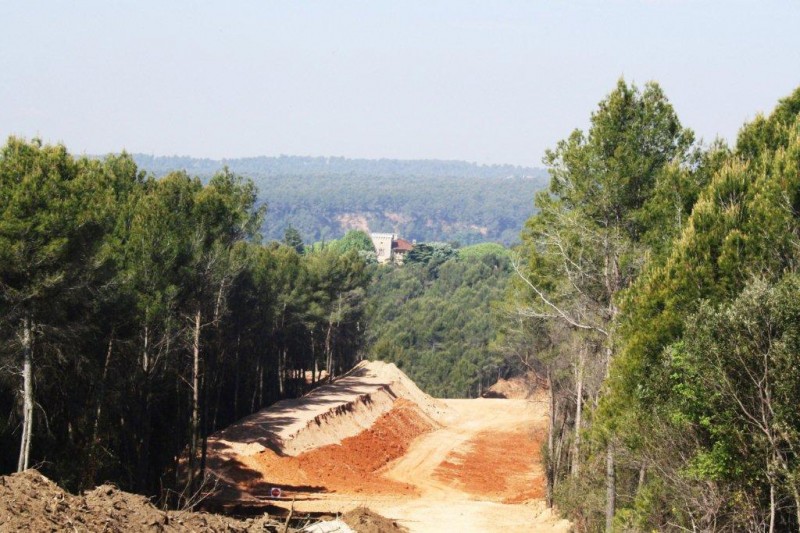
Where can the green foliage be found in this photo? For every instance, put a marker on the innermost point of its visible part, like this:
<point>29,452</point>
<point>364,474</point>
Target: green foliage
<point>610,173</point>
<point>629,205</point>
<point>51,215</point>
<point>742,403</point>
<point>703,332</point>
<point>437,326</point>
<point>483,249</point>
<point>128,282</point>
<point>430,255</point>
<point>292,238</point>
<point>743,225</point>
<point>355,241</point>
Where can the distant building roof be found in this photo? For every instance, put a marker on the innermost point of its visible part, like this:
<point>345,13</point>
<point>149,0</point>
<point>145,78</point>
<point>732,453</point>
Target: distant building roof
<point>402,245</point>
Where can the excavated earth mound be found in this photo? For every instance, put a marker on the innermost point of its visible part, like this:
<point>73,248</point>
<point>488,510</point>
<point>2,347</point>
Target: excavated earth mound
<point>31,502</point>
<point>523,387</point>
<point>337,435</point>
<point>350,465</point>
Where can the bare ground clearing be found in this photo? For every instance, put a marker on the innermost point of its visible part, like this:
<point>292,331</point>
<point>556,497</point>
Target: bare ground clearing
<point>373,439</point>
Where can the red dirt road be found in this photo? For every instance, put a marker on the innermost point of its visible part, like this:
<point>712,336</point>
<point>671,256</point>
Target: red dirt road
<point>374,439</point>
<point>480,472</point>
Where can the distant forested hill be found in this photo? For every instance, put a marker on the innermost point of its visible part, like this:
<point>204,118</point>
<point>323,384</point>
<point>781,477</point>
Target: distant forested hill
<point>427,200</point>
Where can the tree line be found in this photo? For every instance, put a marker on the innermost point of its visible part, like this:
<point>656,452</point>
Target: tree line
<point>292,165</point>
<point>657,289</point>
<point>323,198</point>
<point>139,315</point>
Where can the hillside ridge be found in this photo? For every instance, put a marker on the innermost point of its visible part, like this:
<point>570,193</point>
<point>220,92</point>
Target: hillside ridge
<point>426,200</point>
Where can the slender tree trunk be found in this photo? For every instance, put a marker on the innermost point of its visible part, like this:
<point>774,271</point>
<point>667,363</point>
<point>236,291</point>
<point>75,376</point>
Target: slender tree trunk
<point>281,374</point>
<point>261,385</point>
<point>145,423</point>
<point>91,467</point>
<point>550,442</point>
<point>576,443</point>
<point>204,425</point>
<point>328,350</point>
<point>27,396</point>
<point>315,374</point>
<point>611,487</point>
<point>101,395</point>
<point>218,302</point>
<point>642,477</point>
<point>771,506</point>
<point>559,446</point>
<point>195,423</point>
<point>145,436</point>
<point>237,378</point>
<point>255,387</point>
<point>145,351</point>
<point>796,495</point>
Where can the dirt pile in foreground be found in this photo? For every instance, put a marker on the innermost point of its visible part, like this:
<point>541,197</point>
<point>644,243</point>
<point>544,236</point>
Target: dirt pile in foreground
<point>363,520</point>
<point>31,502</point>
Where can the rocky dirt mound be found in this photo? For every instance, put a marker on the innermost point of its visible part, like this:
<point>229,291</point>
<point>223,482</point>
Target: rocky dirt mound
<point>523,387</point>
<point>31,502</point>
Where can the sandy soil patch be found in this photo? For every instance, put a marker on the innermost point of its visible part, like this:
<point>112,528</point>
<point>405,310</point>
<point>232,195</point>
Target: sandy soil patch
<point>497,466</point>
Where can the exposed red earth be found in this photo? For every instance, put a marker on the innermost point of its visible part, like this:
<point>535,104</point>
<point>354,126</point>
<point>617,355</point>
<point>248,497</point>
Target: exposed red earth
<point>372,438</point>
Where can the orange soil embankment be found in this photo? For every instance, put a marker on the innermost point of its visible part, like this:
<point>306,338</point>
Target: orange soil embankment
<point>350,467</point>
<point>491,466</point>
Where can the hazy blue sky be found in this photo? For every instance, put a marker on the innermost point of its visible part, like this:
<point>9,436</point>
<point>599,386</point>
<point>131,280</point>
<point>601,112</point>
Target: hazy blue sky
<point>491,81</point>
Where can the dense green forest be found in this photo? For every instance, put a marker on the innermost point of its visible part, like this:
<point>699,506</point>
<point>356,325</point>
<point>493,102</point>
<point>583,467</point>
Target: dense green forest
<point>426,200</point>
<point>655,288</point>
<point>658,292</point>
<point>139,315</point>
<point>433,317</point>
